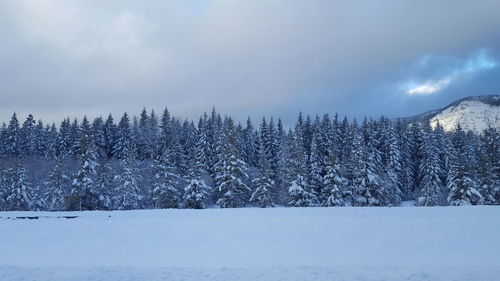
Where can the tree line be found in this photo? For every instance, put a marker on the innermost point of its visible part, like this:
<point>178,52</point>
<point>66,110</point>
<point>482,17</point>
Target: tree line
<point>154,161</point>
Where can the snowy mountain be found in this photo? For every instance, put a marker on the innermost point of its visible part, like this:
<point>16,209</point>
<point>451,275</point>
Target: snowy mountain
<point>472,113</point>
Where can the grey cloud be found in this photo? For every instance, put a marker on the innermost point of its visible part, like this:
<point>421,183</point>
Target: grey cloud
<point>244,57</point>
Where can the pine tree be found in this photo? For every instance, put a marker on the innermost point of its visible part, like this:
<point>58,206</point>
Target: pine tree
<point>393,163</point>
<point>56,187</point>
<point>147,133</point>
<point>165,193</point>
<point>40,139</point>
<point>266,142</point>
<point>444,148</point>
<point>82,197</point>
<point>406,172</point>
<point>250,150</point>
<point>166,130</point>
<point>27,137</point>
<point>263,194</point>
<point>316,168</point>
<point>12,132</point>
<point>299,194</point>
<point>489,166</point>
<point>47,147</point>
<point>299,190</point>
<point>430,169</point>
<point>98,137</point>
<point>187,148</point>
<point>230,170</point>
<point>18,196</point>
<point>3,140</point>
<point>76,134</point>
<point>214,131</point>
<point>202,146</point>
<point>196,191</point>
<point>122,138</point>
<point>356,166</point>
<point>334,184</point>
<point>462,187</point>
<point>127,195</point>
<point>109,136</point>
<point>275,147</point>
<point>375,190</point>
<point>4,188</point>
<point>195,194</point>
<point>103,186</point>
<point>416,140</point>
<point>281,172</point>
<point>141,136</point>
<point>64,142</point>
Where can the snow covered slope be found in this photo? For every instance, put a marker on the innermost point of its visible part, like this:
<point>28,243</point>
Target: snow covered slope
<point>475,114</point>
<point>441,243</point>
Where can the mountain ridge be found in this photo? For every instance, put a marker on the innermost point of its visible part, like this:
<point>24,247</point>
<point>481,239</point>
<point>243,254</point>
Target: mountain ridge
<point>474,113</point>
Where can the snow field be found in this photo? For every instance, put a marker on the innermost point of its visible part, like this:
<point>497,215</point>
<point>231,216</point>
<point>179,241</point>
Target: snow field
<point>431,243</point>
<point>302,273</point>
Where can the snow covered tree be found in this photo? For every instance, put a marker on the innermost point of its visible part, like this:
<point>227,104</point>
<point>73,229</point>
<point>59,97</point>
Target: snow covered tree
<point>27,137</point>
<point>47,147</point>
<point>103,185</point>
<point>166,129</point>
<point>146,135</point>
<point>12,132</point>
<point>250,148</point>
<point>195,194</point>
<point>299,194</point>
<point>489,166</point>
<point>18,195</point>
<point>376,192</point>
<point>74,139</point>
<point>430,169</point>
<point>82,196</point>
<point>415,139</point>
<point>4,188</point>
<point>281,174</point>
<point>64,139</point>
<point>165,193</point>
<point>126,195</point>
<point>334,184</point>
<point>56,187</point>
<point>196,191</point>
<point>317,162</point>
<point>393,161</point>
<point>263,193</point>
<point>109,136</point>
<point>230,170</point>
<point>299,190</point>
<point>3,139</point>
<point>98,137</point>
<point>316,167</point>
<point>406,174</point>
<point>462,187</point>
<point>122,138</point>
<point>356,165</point>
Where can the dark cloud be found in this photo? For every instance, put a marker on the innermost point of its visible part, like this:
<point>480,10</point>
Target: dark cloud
<point>245,57</point>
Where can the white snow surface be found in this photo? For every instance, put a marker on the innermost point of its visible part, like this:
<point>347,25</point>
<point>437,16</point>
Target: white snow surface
<point>470,114</point>
<point>431,243</point>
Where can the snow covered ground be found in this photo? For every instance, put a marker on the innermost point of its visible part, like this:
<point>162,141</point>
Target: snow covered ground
<point>441,243</point>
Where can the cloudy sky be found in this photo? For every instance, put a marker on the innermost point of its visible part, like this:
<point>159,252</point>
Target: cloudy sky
<point>264,57</point>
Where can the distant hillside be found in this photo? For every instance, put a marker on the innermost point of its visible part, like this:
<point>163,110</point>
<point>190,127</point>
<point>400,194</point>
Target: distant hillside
<point>474,113</point>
